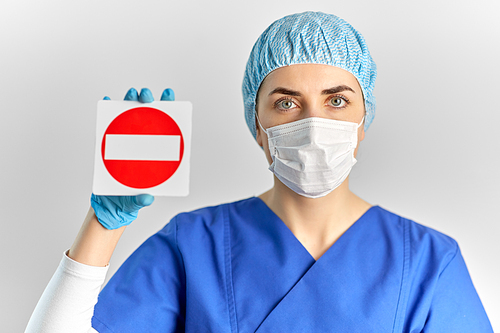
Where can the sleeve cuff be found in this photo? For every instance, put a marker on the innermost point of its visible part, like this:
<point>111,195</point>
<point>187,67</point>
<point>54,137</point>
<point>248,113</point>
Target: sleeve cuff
<point>78,269</point>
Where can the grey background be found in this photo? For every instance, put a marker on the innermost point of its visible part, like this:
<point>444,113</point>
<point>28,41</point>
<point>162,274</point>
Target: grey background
<point>431,153</point>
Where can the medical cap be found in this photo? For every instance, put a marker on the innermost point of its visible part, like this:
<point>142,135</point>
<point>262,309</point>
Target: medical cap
<point>309,38</point>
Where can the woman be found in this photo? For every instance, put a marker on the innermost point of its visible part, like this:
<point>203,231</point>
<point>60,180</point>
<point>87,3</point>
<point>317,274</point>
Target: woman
<point>306,256</point>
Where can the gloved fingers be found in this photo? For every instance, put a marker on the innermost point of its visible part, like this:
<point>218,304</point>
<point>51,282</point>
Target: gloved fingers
<point>168,95</point>
<point>106,98</point>
<point>131,95</point>
<point>146,96</point>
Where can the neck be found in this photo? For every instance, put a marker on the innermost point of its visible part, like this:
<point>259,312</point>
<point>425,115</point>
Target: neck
<point>317,223</point>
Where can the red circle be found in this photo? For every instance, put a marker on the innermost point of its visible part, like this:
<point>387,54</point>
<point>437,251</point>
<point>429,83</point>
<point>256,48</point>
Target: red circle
<point>142,174</point>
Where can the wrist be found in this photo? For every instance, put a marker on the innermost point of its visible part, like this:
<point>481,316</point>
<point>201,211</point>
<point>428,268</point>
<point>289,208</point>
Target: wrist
<point>94,244</point>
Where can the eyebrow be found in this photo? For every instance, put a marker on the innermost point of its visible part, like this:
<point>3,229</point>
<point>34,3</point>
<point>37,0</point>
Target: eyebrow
<point>329,91</point>
<point>336,89</point>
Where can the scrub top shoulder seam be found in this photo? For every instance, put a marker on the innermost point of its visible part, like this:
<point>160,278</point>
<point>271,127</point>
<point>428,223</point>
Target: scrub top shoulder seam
<point>399,318</point>
<point>228,271</point>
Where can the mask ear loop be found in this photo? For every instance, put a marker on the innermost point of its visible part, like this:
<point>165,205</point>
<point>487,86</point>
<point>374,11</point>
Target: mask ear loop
<point>260,125</point>
<point>359,125</point>
<point>265,131</point>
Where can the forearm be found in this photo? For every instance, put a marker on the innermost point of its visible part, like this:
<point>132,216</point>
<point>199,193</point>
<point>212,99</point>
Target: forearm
<point>94,244</point>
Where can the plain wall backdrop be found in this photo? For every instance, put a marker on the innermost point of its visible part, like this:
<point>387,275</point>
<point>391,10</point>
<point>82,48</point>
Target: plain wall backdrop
<point>431,154</point>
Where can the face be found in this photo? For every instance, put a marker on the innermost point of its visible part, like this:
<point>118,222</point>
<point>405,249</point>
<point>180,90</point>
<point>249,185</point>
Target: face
<point>296,92</point>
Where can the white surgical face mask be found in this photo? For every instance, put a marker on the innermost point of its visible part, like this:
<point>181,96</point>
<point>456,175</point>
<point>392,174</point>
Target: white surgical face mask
<point>312,156</point>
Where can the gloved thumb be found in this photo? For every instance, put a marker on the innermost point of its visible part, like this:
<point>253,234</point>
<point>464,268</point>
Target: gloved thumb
<point>144,200</point>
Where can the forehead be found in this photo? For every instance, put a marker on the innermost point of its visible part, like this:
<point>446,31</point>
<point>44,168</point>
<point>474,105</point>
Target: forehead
<point>309,78</point>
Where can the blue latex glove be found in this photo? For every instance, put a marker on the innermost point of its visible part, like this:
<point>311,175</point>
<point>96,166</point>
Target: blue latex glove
<point>114,212</point>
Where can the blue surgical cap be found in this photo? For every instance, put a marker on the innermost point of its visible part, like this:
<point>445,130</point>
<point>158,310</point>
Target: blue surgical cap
<point>309,38</point>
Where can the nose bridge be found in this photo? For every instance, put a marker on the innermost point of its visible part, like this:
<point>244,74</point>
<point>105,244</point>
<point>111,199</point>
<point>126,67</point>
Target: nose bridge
<point>313,108</point>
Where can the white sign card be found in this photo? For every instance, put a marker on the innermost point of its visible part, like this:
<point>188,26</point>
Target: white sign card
<point>142,148</point>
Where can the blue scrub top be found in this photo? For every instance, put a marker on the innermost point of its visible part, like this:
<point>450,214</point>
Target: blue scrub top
<point>238,268</point>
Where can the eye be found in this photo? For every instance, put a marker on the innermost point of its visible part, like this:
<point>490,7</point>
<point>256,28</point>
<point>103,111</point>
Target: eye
<point>285,104</point>
<point>338,102</point>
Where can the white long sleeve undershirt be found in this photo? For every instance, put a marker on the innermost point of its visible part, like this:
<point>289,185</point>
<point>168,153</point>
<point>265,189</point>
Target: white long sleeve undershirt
<point>67,303</point>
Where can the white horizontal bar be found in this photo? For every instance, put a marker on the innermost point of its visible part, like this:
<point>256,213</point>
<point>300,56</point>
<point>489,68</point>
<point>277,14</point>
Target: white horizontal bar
<point>142,147</point>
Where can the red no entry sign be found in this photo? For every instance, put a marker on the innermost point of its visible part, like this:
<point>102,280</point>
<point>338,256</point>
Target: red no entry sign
<point>142,147</point>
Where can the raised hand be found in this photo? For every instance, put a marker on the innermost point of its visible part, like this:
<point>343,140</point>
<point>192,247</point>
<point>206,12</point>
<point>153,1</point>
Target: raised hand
<point>114,212</point>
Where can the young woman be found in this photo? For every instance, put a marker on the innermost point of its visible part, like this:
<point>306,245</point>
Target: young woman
<point>306,256</point>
